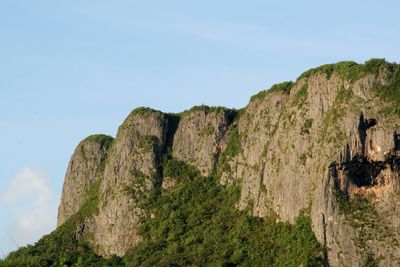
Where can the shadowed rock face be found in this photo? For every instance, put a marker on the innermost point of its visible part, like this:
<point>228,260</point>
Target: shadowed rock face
<point>325,144</point>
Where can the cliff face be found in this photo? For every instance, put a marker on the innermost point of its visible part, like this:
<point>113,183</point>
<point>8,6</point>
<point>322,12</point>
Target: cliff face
<point>199,137</point>
<point>84,169</point>
<point>293,143</point>
<point>327,144</point>
<point>131,171</point>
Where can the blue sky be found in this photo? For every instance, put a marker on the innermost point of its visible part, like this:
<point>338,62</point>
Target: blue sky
<point>72,68</point>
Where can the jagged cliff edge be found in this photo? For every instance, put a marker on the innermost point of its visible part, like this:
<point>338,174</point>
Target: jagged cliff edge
<point>329,143</point>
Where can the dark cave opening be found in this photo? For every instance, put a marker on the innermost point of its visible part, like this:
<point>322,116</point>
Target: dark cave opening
<point>362,172</point>
<point>370,123</point>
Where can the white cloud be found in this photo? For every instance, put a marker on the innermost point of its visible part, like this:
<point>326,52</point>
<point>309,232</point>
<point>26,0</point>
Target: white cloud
<point>28,202</point>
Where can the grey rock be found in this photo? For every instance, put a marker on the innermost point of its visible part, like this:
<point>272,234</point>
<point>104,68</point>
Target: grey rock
<point>198,139</point>
<point>327,140</point>
<point>84,170</point>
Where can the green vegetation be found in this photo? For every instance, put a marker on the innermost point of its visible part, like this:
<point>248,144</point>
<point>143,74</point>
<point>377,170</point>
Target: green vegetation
<point>234,145</point>
<point>358,209</point>
<point>370,261</point>
<point>301,96</point>
<point>204,108</point>
<point>233,149</point>
<point>147,143</point>
<point>142,111</point>
<point>198,224</point>
<point>336,111</point>
<point>303,158</point>
<point>284,87</point>
<point>209,130</point>
<point>60,248</point>
<point>136,188</point>
<point>305,129</point>
<point>140,177</point>
<point>91,204</point>
<point>195,224</point>
<point>360,214</point>
<point>391,91</point>
<point>105,142</point>
<point>348,70</point>
<point>178,170</point>
<point>102,139</point>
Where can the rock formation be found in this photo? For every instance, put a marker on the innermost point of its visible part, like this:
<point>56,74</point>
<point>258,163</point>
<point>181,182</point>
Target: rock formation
<point>84,169</point>
<point>328,143</point>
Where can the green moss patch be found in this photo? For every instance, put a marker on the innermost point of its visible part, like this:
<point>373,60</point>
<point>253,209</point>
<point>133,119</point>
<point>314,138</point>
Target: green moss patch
<point>284,87</point>
<point>390,92</point>
<point>348,70</point>
<point>102,139</point>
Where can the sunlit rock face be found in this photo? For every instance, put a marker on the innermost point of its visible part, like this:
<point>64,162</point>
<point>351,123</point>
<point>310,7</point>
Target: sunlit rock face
<point>84,169</point>
<point>327,144</point>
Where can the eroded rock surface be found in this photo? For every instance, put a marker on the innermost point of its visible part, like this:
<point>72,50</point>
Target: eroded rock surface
<point>325,144</point>
<point>198,139</point>
<point>130,173</point>
<point>84,170</point>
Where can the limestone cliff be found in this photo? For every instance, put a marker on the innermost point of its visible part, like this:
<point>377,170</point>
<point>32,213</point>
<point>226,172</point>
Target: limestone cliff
<point>84,169</point>
<point>327,144</point>
<point>199,137</point>
<point>131,171</point>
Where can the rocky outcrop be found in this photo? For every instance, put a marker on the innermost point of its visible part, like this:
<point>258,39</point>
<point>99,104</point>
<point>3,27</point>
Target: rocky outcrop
<point>199,137</point>
<point>125,174</point>
<point>361,196</point>
<point>84,170</point>
<point>288,141</point>
<point>130,173</point>
<point>327,144</point>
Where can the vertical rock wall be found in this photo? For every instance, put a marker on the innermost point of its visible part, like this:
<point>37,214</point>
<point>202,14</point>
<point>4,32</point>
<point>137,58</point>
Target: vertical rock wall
<point>199,137</point>
<point>319,145</point>
<point>84,170</point>
<point>130,173</point>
